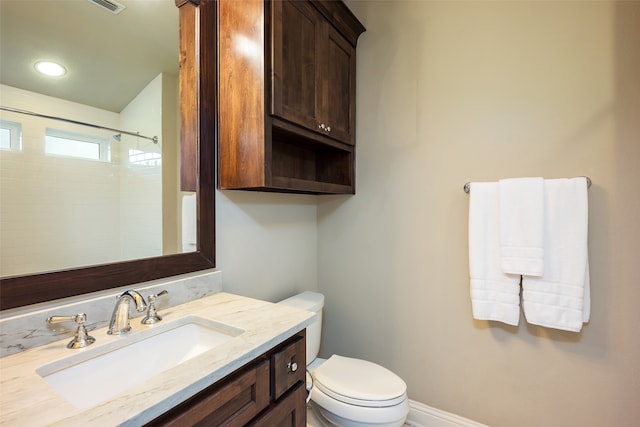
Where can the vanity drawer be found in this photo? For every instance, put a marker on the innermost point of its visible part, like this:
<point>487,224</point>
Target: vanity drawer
<point>288,365</point>
<point>232,403</point>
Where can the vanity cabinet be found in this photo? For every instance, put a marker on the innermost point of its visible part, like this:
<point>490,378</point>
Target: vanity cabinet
<point>286,101</point>
<point>268,391</point>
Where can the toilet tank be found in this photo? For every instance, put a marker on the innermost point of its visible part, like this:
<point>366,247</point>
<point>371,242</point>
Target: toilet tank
<point>310,301</point>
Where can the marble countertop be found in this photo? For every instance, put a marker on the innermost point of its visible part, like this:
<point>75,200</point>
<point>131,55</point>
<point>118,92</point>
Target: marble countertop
<point>26,399</point>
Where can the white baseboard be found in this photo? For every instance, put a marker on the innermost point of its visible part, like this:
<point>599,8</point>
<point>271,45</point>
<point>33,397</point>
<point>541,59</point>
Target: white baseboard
<point>421,415</point>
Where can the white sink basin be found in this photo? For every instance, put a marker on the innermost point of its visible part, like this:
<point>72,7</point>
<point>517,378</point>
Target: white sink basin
<point>95,375</point>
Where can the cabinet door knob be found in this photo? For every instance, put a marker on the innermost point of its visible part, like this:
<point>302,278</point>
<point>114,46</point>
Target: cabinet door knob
<point>293,366</point>
<point>328,128</point>
<point>321,126</point>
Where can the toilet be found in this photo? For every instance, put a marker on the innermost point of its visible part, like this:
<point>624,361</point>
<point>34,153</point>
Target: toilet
<point>349,392</point>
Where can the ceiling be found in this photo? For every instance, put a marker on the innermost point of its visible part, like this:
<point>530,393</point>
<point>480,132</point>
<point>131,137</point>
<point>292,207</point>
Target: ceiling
<point>109,58</point>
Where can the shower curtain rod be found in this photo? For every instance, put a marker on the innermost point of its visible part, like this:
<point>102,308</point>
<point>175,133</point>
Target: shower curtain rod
<point>467,186</point>
<point>75,122</point>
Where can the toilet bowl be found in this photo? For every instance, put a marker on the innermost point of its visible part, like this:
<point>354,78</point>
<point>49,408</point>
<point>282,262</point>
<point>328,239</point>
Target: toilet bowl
<point>349,392</point>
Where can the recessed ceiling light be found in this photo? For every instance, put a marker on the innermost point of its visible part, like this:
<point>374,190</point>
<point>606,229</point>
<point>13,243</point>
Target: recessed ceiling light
<point>49,68</point>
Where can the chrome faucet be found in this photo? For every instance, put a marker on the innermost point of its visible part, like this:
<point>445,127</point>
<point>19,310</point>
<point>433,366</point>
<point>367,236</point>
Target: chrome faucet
<point>120,323</point>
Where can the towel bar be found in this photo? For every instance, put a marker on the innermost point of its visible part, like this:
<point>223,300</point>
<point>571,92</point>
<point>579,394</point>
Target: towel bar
<point>467,186</point>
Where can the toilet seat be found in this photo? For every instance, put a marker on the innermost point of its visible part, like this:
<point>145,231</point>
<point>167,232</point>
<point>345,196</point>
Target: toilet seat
<point>359,382</point>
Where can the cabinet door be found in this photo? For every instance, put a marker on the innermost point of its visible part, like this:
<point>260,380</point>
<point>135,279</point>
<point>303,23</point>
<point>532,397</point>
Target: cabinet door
<point>233,403</point>
<point>340,91</point>
<point>296,31</point>
<point>290,411</point>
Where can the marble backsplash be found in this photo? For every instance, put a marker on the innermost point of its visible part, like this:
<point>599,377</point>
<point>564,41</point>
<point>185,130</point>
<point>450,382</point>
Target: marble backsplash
<point>25,327</point>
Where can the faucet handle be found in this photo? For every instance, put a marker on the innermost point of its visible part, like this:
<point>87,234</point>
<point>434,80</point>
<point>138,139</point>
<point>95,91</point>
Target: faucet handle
<point>152,315</point>
<point>81,338</point>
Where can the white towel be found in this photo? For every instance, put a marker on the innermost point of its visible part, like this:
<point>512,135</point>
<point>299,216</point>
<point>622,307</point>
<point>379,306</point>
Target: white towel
<point>494,294</point>
<point>521,225</point>
<point>189,223</point>
<point>560,299</point>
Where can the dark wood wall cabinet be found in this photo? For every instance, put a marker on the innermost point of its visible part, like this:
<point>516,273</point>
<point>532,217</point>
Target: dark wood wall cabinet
<point>286,96</point>
<point>269,391</point>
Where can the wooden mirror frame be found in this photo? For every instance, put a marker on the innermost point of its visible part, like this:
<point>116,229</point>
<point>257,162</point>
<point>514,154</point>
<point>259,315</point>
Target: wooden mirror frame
<point>198,131</point>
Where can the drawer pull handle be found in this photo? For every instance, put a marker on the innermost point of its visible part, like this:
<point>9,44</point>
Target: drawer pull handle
<point>292,366</point>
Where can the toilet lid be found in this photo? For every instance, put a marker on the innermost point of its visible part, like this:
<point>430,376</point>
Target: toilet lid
<point>359,382</point>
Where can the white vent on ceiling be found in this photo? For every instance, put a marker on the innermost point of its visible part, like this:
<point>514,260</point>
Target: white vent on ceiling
<point>110,5</point>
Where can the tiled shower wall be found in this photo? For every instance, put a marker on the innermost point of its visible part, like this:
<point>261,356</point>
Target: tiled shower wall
<point>61,212</point>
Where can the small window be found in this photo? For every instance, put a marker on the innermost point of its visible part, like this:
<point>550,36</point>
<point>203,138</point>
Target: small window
<point>10,135</point>
<point>141,158</point>
<point>70,144</point>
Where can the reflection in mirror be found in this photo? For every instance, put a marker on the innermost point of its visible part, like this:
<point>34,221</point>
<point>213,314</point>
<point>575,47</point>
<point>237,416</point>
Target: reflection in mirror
<point>197,112</point>
<point>75,195</point>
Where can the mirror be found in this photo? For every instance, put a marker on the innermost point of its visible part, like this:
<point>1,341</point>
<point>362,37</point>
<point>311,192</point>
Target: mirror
<point>196,93</point>
<point>99,192</point>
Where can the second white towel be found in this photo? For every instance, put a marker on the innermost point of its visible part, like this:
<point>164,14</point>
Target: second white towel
<point>560,299</point>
